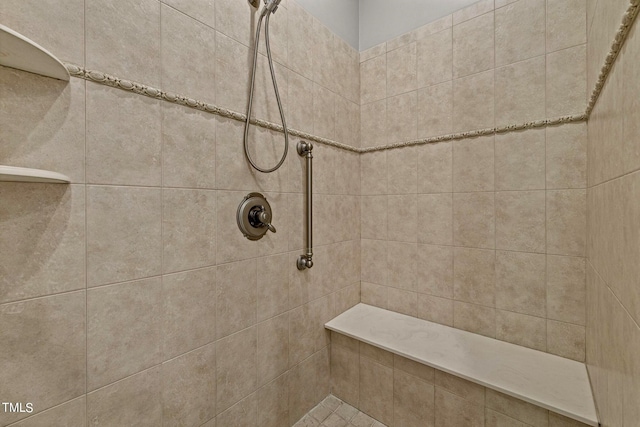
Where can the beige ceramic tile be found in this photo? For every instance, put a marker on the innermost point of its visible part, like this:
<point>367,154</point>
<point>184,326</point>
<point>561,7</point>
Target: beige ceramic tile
<point>232,60</point>
<point>631,97</point>
<point>43,120</point>
<point>273,286</point>
<point>474,318</point>
<point>401,70</point>
<point>188,229</point>
<point>435,110</point>
<point>188,147</point>
<point>236,285</point>
<point>496,419</point>
<point>566,156</point>
<point>236,363</point>
<point>345,368</point>
<point>520,160</point>
<point>300,46</point>
<point>373,119</point>
<point>435,174</point>
<point>115,52</point>
<point>566,222</point>
<point>566,340</point>
<point>43,345</point>
<point>520,282</point>
<point>273,403</point>
<point>455,411</point>
<point>472,392</point>
<point>376,390</point>
<point>373,217</point>
<point>416,369</point>
<point>324,55</point>
<point>347,122</point>
<point>134,400</point>
<point>231,19</point>
<point>72,413</point>
<point>435,275</point>
<point>474,220</point>
<point>373,79</point>
<point>435,58</point>
<point>556,420</point>
<point>473,102</point>
<point>473,164</point>
<point>520,31</point>
<point>372,52</point>
<point>401,40</point>
<point>402,215</point>
<point>520,221</point>
<point>301,333</point>
<point>373,172</point>
<point>469,12</point>
<point>243,413</point>
<point>202,10</point>
<point>188,56</point>
<point>375,254</point>
<point>566,289</point>
<point>435,309</point>
<point>402,264</point>
<point>123,330</point>
<point>521,329</point>
<point>402,117</point>
<point>518,409</point>
<point>437,212</point>
<point>189,310</point>
<point>265,104</point>
<point>376,354</point>
<point>402,301</point>
<point>300,112</point>
<point>373,294</point>
<point>123,234</point>
<point>189,387</point>
<point>434,27</point>
<point>123,137</point>
<point>402,171</point>
<point>566,82</point>
<point>474,276</point>
<point>413,401</point>
<point>273,348</point>
<point>473,46</point>
<point>43,240</point>
<point>520,92</point>
<point>566,24</point>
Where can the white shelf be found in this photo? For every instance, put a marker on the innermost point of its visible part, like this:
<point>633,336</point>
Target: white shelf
<point>14,174</point>
<point>17,51</point>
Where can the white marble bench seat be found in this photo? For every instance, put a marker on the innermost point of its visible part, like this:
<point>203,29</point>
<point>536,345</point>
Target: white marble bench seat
<point>551,382</point>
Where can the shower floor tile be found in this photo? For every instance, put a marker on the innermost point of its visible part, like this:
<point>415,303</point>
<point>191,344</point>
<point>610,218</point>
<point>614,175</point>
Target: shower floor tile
<point>333,412</point>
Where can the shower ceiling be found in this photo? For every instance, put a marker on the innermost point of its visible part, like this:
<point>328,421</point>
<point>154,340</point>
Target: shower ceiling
<point>366,23</point>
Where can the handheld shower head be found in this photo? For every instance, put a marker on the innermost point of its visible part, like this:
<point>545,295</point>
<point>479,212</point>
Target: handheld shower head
<point>271,5</point>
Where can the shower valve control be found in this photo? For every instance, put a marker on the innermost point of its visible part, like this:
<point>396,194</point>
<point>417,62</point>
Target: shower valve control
<point>254,216</point>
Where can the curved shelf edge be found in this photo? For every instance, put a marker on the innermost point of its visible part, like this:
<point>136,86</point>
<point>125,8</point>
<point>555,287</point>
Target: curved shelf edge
<point>15,174</point>
<point>17,51</point>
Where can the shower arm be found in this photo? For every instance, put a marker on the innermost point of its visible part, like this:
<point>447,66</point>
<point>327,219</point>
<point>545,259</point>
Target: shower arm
<point>305,150</point>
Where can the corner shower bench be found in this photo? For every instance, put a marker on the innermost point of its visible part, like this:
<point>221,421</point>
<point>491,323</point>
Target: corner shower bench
<point>551,382</point>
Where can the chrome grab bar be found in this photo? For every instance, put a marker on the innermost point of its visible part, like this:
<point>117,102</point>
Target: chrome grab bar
<point>305,150</point>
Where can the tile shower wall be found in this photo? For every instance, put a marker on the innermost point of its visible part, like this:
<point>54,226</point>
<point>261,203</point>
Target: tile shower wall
<point>130,297</point>
<point>613,236</point>
<point>484,234</point>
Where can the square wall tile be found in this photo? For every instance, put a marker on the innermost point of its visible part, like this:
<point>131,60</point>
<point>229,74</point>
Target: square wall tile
<point>136,399</point>
<point>521,329</point>
<point>300,45</point>
<point>401,70</point>
<point>123,330</point>
<point>123,234</point>
<point>189,387</point>
<point>236,297</point>
<point>72,412</point>
<point>124,141</point>
<point>520,31</point>
<point>473,102</point>
<point>474,318</point>
<point>373,122</point>
<point>373,217</point>
<point>402,301</point>
<point>566,222</point>
<point>435,171</point>
<point>566,24</point>
<point>520,160</point>
<point>273,286</point>
<point>435,309</point>
<point>517,409</point>
<point>520,92</point>
<point>402,215</point>
<point>376,295</point>
<point>473,46</point>
<point>273,348</point>
<point>520,221</point>
<point>402,264</point>
<point>373,79</point>
<point>413,400</point>
<point>273,403</point>
<point>567,81</point>
<point>42,239</point>
<point>566,293</point>
<point>474,276</point>
<point>435,110</point>
<point>455,411</point>
<point>113,51</point>
<point>402,171</point>
<point>567,156</point>
<point>474,220</point>
<point>520,283</point>
<point>471,392</point>
<point>402,117</point>
<point>376,390</point>
<point>435,58</point>
<point>436,212</point>
<point>566,340</point>
<point>473,164</point>
<point>188,229</point>
<point>236,368</point>
<point>476,9</point>
<point>435,275</point>
<point>44,344</point>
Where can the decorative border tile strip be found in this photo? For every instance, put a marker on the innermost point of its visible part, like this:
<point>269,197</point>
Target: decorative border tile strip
<point>142,89</point>
<point>481,132</point>
<point>151,92</point>
<point>618,41</point>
